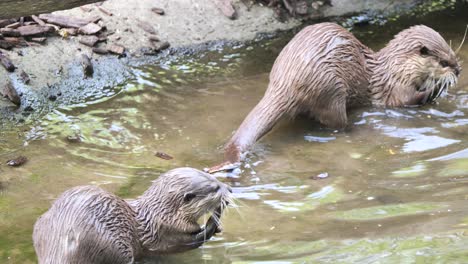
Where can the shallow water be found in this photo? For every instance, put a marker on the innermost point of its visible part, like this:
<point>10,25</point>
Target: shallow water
<point>396,190</point>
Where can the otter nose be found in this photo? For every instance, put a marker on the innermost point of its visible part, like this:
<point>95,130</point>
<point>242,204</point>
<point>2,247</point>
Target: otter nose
<point>457,70</point>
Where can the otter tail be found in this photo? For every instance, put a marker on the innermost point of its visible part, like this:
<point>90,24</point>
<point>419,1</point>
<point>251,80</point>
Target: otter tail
<point>257,123</point>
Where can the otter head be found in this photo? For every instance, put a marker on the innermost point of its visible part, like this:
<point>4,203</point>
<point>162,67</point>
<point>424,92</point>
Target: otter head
<point>415,68</point>
<point>169,210</point>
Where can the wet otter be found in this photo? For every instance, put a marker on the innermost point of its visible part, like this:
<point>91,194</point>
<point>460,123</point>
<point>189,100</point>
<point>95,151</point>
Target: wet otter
<point>325,71</point>
<point>89,225</point>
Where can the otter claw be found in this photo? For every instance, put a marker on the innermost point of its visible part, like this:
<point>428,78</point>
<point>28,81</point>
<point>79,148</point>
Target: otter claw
<point>225,166</point>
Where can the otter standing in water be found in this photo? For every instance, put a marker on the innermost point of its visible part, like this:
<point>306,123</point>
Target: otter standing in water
<point>324,71</point>
<point>89,225</point>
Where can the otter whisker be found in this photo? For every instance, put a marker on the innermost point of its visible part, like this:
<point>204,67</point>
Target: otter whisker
<point>435,84</point>
<point>454,78</point>
<point>204,233</point>
<point>217,220</point>
<point>463,40</point>
<point>439,92</point>
<point>231,200</point>
<point>431,97</point>
<point>236,204</point>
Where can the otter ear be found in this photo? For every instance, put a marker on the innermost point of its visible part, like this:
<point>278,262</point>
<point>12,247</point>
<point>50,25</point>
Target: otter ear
<point>424,51</point>
<point>189,196</point>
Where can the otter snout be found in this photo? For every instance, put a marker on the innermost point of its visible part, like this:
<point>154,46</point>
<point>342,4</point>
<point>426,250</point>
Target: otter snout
<point>457,70</point>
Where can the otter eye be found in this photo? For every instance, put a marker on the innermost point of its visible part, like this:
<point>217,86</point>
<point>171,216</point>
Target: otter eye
<point>424,51</point>
<point>444,63</point>
<point>189,196</point>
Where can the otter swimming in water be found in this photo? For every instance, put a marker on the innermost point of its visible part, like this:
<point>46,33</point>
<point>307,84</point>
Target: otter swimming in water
<point>325,71</point>
<point>89,225</point>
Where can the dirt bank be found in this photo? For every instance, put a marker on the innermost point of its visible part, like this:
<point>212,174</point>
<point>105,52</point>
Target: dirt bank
<point>55,69</point>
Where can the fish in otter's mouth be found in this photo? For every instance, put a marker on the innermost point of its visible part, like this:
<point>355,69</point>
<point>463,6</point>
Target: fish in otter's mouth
<point>433,88</point>
<point>226,200</point>
<point>213,224</point>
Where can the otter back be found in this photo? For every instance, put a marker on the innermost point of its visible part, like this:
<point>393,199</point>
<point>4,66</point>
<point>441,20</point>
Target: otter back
<point>87,225</point>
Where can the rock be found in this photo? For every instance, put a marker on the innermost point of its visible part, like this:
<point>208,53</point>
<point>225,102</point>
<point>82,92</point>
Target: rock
<point>147,27</point>
<point>14,25</point>
<point>102,38</point>
<point>38,20</point>
<point>158,11</point>
<point>74,138</point>
<point>90,29</point>
<point>226,8</point>
<point>94,19</point>
<point>320,176</point>
<point>86,8</point>
<point>101,24</point>
<point>10,92</point>
<point>301,8</point>
<point>154,38</point>
<point>6,22</point>
<point>39,40</point>
<point>4,44</point>
<point>70,31</point>
<point>56,28</point>
<point>100,51</point>
<point>89,41</point>
<point>116,49</point>
<point>146,51</point>
<point>10,32</point>
<point>65,21</point>
<point>6,62</point>
<point>28,108</point>
<point>161,45</point>
<point>317,5</point>
<point>14,40</point>
<point>34,30</point>
<point>87,65</point>
<point>25,77</point>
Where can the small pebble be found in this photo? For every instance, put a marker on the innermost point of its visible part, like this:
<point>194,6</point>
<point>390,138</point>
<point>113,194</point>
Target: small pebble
<point>320,176</point>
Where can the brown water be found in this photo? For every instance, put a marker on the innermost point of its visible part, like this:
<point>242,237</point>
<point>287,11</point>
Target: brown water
<point>398,178</point>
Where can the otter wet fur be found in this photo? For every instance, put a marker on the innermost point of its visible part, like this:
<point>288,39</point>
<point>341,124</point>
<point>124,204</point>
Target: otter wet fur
<point>89,225</point>
<point>325,71</point>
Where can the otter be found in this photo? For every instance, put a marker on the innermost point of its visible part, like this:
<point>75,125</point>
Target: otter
<point>89,225</point>
<point>324,71</point>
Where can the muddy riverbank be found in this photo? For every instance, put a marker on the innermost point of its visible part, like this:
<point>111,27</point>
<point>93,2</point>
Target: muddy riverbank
<point>55,69</point>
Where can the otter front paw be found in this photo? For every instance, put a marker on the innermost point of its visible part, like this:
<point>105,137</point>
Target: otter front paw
<point>223,167</point>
